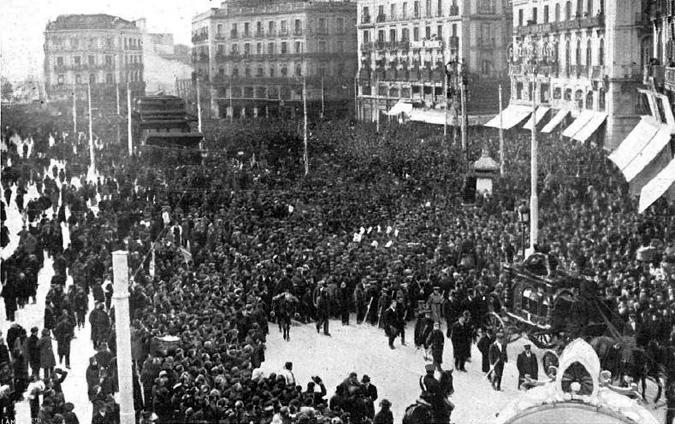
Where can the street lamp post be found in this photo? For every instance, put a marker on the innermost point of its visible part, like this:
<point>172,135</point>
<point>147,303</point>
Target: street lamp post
<point>534,201</point>
<point>524,219</point>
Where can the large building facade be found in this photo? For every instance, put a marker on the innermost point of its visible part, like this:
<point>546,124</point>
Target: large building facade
<point>581,62</point>
<point>101,50</point>
<point>252,57</point>
<point>405,45</point>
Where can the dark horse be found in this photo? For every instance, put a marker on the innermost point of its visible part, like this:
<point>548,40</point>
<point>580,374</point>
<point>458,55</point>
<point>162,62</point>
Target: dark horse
<point>622,357</point>
<point>421,412</point>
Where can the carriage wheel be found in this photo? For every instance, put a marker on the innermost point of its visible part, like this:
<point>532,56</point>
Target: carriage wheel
<point>550,359</point>
<point>543,340</point>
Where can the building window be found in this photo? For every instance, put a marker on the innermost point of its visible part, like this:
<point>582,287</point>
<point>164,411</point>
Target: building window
<point>416,34</point>
<point>284,71</point>
<point>108,60</point>
<point>235,72</point>
<point>380,36</point>
<point>259,73</point>
<point>405,34</point>
<point>284,27</point>
<point>247,72</point>
<point>78,79</point>
<point>427,32</point>
<point>247,29</point>
<point>92,78</point>
<point>520,17</point>
<point>91,60</point>
<point>519,91</point>
<point>340,69</point>
<point>601,52</point>
<point>219,30</point>
<point>284,47</point>
<point>109,43</point>
<point>416,9</point>
<point>366,36</point>
<point>589,53</point>
<point>272,71</point>
<point>59,61</point>
<point>247,49</point>
<point>74,43</point>
<point>428,8</point>
<point>298,27</point>
<point>323,29</point>
<point>568,10</point>
<point>580,8</point>
<point>298,70</point>
<point>258,29</point>
<point>546,14</point>
<point>392,35</point>
<point>340,24</point>
<point>108,78</point>
<point>340,46</point>
<point>392,11</point>
<point>556,14</point>
<point>577,55</point>
<point>439,32</point>
<point>60,79</point>
<point>270,48</point>
<point>589,7</point>
<point>77,61</point>
<point>535,12</point>
<point>404,10</point>
<point>298,47</point>
<point>270,28</point>
<point>322,46</point>
<point>258,48</point>
<point>601,100</point>
<point>439,8</point>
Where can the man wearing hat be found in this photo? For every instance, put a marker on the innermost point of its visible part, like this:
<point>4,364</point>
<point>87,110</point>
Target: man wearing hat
<point>528,367</point>
<point>384,416</point>
<point>435,304</point>
<point>369,395</point>
<point>498,357</point>
<point>431,390</point>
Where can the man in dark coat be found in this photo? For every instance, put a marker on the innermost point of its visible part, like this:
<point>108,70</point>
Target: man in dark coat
<point>390,320</point>
<point>33,351</point>
<point>100,324</point>
<point>360,303</point>
<point>64,332</point>
<point>369,395</point>
<point>322,305</point>
<point>423,328</point>
<point>461,342</point>
<point>344,300</point>
<point>484,341</point>
<point>9,293</point>
<point>435,342</point>
<point>527,366</point>
<point>498,359</point>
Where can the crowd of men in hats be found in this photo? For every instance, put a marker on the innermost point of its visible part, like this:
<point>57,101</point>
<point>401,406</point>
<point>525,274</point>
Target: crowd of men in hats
<point>373,230</point>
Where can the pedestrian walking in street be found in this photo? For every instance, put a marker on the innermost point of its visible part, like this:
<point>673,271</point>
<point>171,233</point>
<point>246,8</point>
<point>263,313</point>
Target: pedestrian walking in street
<point>64,332</point>
<point>435,341</point>
<point>33,351</point>
<point>390,320</point>
<point>461,342</point>
<point>528,367</point>
<point>485,339</point>
<point>498,359</point>
<point>47,360</point>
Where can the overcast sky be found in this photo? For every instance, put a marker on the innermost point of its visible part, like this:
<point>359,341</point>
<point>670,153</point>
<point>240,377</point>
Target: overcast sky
<point>22,25</point>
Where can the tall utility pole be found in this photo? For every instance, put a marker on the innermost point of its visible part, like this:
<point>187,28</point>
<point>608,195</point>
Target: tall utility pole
<point>117,96</point>
<point>377,101</point>
<point>445,88</point>
<point>534,201</point>
<point>123,336</point>
<point>356,93</point>
<point>323,106</point>
<point>464,135</point>
<point>199,108</point>
<point>75,111</point>
<point>304,109</point>
<point>129,134</point>
<point>92,163</point>
<point>501,134</point>
<point>231,108</point>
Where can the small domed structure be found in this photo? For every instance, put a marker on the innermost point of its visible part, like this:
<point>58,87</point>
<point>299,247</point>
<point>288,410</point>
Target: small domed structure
<point>485,169</point>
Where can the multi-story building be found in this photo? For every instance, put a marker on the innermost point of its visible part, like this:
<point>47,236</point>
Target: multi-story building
<point>102,50</point>
<point>405,45</point>
<point>580,62</point>
<point>645,156</point>
<point>255,55</point>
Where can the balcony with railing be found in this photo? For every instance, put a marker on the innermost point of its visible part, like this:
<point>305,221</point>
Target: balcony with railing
<point>199,37</point>
<point>322,31</point>
<point>573,24</point>
<point>381,18</point>
<point>221,57</point>
<point>259,34</point>
<point>203,58</point>
<point>669,78</point>
<point>454,10</point>
<point>283,32</point>
<point>219,36</point>
<point>598,72</point>
<point>582,71</point>
<point>367,47</point>
<point>365,19</point>
<point>234,35</point>
<point>297,32</point>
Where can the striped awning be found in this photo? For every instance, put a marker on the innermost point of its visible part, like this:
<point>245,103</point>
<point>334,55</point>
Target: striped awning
<point>587,130</point>
<point>538,116</point>
<point>510,117</point>
<point>583,119</point>
<point>555,121</point>
<point>657,186</point>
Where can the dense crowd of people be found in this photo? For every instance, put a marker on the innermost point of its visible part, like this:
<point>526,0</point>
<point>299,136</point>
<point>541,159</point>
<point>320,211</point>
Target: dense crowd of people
<point>377,229</point>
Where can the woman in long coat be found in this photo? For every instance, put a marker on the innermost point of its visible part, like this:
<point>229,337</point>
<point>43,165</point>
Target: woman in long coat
<point>47,360</point>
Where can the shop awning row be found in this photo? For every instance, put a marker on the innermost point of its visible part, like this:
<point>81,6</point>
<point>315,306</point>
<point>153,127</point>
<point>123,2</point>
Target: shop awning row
<point>510,117</point>
<point>555,121</point>
<point>640,147</point>
<point>399,108</point>
<point>597,119</point>
<point>538,116</point>
<point>431,116</point>
<point>657,186</point>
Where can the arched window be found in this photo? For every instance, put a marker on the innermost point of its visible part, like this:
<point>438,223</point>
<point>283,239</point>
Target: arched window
<point>577,53</point>
<point>568,10</point>
<point>567,53</point>
<point>601,52</point>
<point>589,7</point>
<point>589,51</point>
<point>601,100</point>
<point>557,12</point>
<point>568,94</point>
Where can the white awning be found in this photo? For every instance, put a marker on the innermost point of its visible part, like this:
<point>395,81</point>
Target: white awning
<point>578,123</point>
<point>587,130</point>
<point>634,142</point>
<point>510,117</point>
<point>538,116</point>
<point>431,116</point>
<point>557,120</point>
<point>657,186</point>
<point>643,157</point>
<point>399,108</point>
